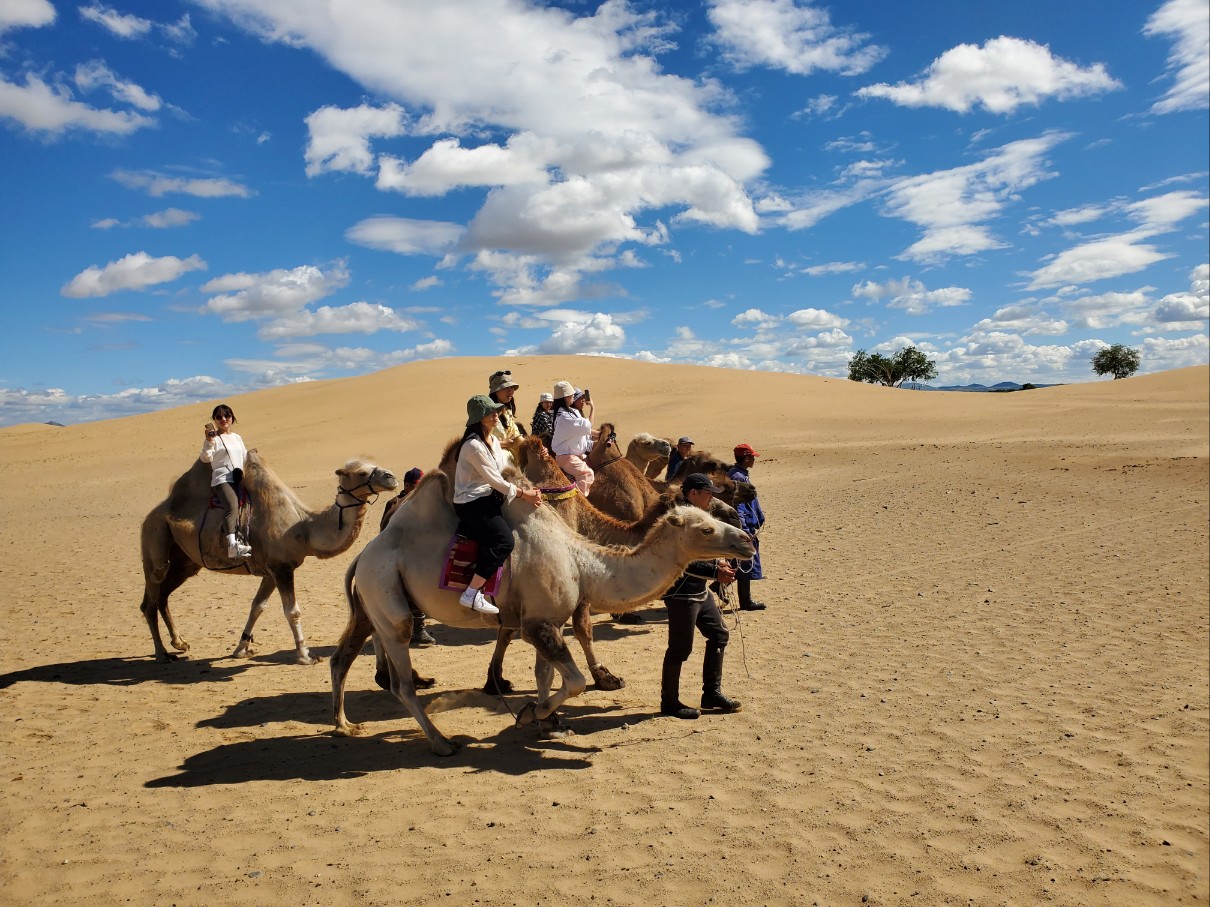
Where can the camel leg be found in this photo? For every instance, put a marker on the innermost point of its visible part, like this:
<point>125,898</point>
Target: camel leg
<point>383,668</point>
<point>348,647</point>
<point>396,642</point>
<point>496,684</point>
<point>163,574</point>
<point>285,588</point>
<point>181,569</point>
<point>244,649</point>
<point>548,640</point>
<point>581,625</point>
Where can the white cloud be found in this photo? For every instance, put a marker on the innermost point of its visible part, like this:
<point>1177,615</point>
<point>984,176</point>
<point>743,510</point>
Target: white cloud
<point>1107,310</point>
<point>1189,307</point>
<point>158,184</point>
<point>134,272</point>
<point>40,107</point>
<point>118,24</point>
<point>339,139</point>
<point>25,14</point>
<point>95,74</point>
<point>405,235</point>
<point>277,293</point>
<point>598,334</point>
<point>355,318</point>
<point>911,295</point>
<point>788,35</point>
<point>1023,318</point>
<point>447,166</point>
<point>951,205</point>
<point>1187,23</point>
<point>833,267</point>
<point>426,283</point>
<point>1123,253</point>
<point>169,217</point>
<point>1083,215</point>
<point>1002,75</point>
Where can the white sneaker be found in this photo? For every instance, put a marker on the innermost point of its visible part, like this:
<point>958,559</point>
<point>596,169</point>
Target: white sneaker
<point>476,601</point>
<point>238,550</point>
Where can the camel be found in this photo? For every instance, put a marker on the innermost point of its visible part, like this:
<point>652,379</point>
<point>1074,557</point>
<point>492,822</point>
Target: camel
<point>552,571</point>
<point>180,536</point>
<point>649,453</point>
<point>540,468</point>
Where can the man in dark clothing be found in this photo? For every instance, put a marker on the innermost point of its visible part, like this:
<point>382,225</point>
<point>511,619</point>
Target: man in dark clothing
<point>690,604</point>
<point>676,459</point>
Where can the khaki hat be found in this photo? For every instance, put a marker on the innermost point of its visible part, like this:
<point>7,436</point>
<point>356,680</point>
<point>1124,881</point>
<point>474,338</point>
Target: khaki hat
<point>545,398</point>
<point>498,381</point>
<point>564,389</point>
<point>480,407</point>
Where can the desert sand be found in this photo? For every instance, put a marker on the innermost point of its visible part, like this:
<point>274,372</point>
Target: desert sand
<point>982,677</point>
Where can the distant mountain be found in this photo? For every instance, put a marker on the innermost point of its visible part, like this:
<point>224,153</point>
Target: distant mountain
<point>1002,387</point>
<point>55,424</point>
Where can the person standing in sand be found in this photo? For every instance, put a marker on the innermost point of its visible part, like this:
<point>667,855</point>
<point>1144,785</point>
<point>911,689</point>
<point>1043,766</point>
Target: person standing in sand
<point>690,604</point>
<point>753,517</point>
<point>224,450</point>
<point>480,491</point>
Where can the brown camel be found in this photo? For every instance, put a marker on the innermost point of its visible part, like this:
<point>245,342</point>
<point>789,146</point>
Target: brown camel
<point>649,453</point>
<point>620,489</point>
<point>552,571</point>
<point>180,536</point>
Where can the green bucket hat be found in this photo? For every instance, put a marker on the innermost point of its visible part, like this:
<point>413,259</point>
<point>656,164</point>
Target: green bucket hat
<point>480,406</point>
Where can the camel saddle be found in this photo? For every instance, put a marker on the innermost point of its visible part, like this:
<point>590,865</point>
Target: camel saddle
<point>459,567</point>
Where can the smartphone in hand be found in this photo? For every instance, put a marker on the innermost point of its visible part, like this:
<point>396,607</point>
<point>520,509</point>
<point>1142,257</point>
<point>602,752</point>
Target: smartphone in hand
<point>211,431</point>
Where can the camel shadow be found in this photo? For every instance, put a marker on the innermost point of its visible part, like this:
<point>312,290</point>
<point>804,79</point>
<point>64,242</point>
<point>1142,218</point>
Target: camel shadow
<point>128,672</point>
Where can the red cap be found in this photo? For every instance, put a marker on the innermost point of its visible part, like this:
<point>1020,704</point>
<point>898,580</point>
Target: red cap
<point>742,449</point>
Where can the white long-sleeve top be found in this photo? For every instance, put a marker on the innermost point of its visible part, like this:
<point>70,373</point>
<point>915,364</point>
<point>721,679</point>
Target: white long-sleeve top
<point>572,434</point>
<point>224,453</point>
<point>478,472</point>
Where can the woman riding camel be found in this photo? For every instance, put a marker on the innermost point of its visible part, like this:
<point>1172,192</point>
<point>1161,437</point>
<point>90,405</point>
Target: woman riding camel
<point>502,388</point>
<point>573,436</point>
<point>224,450</point>
<point>480,491</point>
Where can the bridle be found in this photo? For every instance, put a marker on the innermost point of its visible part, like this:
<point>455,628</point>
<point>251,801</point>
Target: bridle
<point>370,498</point>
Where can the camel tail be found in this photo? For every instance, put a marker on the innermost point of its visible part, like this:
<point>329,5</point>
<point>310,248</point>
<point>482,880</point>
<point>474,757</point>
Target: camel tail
<point>352,599</point>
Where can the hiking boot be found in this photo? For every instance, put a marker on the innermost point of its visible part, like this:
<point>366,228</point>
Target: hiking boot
<point>423,637</point>
<point>678,710</point>
<point>751,605</point>
<point>476,601</point>
<point>717,701</point>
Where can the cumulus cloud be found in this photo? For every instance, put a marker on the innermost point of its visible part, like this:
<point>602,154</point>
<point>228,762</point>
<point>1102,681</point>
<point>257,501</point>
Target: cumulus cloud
<point>789,35</point>
<point>25,14</point>
<point>356,318</point>
<point>158,184</point>
<point>1187,24</point>
<point>597,333</point>
<point>338,139</point>
<point>50,109</point>
<point>1187,310</point>
<point>1106,310</point>
<point>277,293</point>
<point>134,272</point>
<point>911,295</point>
<point>1023,318</point>
<point>592,144</point>
<point>1002,75</point>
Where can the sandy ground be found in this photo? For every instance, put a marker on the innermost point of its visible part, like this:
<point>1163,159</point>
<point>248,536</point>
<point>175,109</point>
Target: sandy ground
<point>982,677</point>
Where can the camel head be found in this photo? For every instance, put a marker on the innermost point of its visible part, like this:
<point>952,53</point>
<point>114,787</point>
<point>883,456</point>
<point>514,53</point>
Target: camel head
<point>651,445</point>
<point>363,480</point>
<point>704,462</point>
<point>606,446</point>
<point>702,537</point>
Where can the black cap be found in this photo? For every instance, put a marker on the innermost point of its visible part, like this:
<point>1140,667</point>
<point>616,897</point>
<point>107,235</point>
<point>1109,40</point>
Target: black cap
<point>699,480</point>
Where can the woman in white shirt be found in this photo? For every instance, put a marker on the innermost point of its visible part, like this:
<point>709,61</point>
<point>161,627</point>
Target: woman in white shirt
<point>572,438</point>
<point>224,450</point>
<point>480,492</point>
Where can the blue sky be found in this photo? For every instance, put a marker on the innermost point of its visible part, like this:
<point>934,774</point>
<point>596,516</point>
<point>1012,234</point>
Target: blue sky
<point>205,198</point>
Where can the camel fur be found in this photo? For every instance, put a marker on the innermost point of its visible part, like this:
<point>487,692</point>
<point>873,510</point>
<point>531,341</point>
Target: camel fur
<point>181,536</point>
<point>552,571</point>
<point>649,453</point>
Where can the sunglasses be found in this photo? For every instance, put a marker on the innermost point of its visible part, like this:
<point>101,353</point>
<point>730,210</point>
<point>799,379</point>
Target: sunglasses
<point>500,374</point>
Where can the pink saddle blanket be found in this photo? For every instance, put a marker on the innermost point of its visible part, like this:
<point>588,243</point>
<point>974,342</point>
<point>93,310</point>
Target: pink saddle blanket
<point>460,566</point>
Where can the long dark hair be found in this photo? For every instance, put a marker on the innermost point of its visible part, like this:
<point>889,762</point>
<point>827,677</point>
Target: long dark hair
<point>223,410</point>
<point>472,431</point>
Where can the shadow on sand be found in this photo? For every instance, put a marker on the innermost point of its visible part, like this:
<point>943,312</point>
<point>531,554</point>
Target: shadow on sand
<point>131,671</point>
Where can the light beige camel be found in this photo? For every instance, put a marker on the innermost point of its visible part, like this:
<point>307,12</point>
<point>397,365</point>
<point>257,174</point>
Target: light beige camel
<point>552,571</point>
<point>540,468</point>
<point>180,537</point>
<point>649,453</point>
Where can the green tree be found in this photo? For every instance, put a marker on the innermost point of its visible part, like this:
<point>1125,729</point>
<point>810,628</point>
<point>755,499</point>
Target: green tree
<point>1117,360</point>
<point>909,364</point>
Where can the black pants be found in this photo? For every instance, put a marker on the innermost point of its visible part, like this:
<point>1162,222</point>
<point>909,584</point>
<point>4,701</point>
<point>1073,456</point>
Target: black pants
<point>482,521</point>
<point>683,615</point>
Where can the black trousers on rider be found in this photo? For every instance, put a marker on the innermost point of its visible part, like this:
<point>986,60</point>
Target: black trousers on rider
<point>482,521</point>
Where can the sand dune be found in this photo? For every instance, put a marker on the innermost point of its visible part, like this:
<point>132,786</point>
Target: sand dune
<point>983,676</point>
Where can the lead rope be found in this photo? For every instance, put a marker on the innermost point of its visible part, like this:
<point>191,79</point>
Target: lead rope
<point>729,609</point>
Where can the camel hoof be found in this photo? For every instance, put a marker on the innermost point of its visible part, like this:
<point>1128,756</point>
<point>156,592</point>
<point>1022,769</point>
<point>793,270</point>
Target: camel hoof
<point>445,748</point>
<point>497,686</point>
<point>528,713</point>
<point>166,657</point>
<point>554,728</point>
<point>605,679</point>
<point>383,679</point>
<point>424,683</point>
<point>309,659</point>
<point>180,645</point>
<point>348,730</point>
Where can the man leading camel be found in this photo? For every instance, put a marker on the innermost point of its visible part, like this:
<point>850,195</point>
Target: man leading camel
<point>690,604</point>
